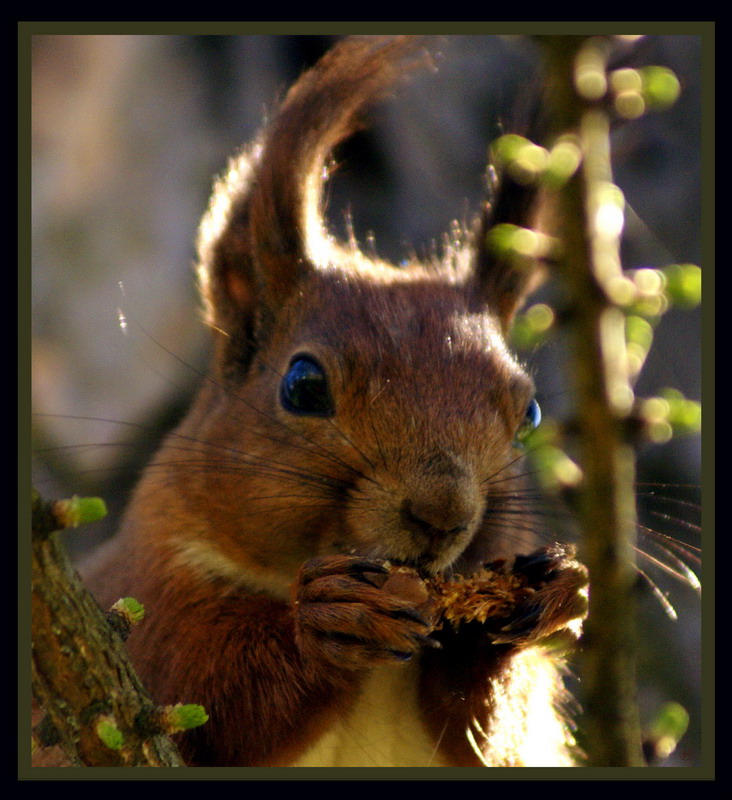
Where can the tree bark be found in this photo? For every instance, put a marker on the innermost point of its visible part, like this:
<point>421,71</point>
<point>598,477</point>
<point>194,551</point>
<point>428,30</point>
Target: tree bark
<point>81,674</point>
<point>606,500</point>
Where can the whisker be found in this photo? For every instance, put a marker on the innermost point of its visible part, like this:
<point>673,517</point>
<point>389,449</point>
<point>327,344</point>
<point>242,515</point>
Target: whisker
<point>659,595</point>
<point>350,442</point>
<point>224,449</point>
<point>682,573</point>
<point>316,444</point>
<point>689,550</point>
<point>681,522</point>
<point>314,447</point>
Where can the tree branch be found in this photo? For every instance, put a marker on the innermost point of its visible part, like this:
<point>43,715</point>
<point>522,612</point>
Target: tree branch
<point>590,218</point>
<point>82,676</point>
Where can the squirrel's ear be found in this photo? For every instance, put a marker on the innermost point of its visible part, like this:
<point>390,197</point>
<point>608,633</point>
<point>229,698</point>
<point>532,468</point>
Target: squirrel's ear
<point>503,281</point>
<point>264,230</point>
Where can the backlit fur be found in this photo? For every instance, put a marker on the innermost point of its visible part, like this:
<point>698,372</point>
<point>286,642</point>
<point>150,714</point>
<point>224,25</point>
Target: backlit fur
<point>415,465</point>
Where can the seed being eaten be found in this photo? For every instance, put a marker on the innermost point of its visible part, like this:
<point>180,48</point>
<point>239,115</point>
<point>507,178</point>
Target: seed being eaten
<point>526,599</point>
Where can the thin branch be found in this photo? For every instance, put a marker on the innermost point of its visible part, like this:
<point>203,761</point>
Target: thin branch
<point>590,222</point>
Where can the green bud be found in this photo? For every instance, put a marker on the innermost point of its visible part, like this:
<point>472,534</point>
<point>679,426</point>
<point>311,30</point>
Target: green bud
<point>639,331</point>
<point>660,87</point>
<point>683,284</point>
<point>651,306</point>
<point>626,80</point>
<point>590,75</point>
<point>564,160</point>
<point>630,104</point>
<point>521,243</point>
<point>130,608</point>
<point>524,160</point>
<point>531,327</point>
<point>548,434</point>
<point>684,415</point>
<point>77,511</point>
<point>109,733</point>
<point>668,728</point>
<point>184,717</point>
<point>556,469</point>
<point>672,720</point>
<point>670,414</point>
<point>509,147</point>
<point>639,338</point>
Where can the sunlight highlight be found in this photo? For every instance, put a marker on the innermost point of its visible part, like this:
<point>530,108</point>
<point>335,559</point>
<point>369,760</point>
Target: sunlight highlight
<point>122,319</point>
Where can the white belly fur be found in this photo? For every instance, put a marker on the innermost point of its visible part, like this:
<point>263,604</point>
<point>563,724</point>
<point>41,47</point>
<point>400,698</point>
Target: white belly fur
<point>384,729</point>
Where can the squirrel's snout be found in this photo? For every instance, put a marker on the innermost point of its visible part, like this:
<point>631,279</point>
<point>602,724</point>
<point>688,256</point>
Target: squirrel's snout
<point>439,513</point>
<point>434,520</point>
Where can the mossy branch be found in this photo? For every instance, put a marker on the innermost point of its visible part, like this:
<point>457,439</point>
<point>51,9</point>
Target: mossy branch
<point>590,220</point>
<point>81,674</point>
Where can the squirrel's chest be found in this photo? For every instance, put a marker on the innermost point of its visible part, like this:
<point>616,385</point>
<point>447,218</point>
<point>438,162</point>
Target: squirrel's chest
<point>384,728</point>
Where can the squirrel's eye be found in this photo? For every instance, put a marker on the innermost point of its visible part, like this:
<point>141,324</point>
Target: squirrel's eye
<point>531,421</point>
<point>304,389</point>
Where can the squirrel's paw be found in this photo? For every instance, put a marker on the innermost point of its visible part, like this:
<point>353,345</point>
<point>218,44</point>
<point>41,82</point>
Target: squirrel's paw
<point>354,613</point>
<point>557,602</point>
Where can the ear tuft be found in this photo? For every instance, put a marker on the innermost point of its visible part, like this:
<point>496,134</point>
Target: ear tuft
<point>504,280</point>
<point>263,231</point>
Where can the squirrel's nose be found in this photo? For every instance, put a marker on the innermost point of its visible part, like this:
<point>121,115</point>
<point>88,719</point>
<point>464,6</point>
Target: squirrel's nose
<point>441,515</point>
<point>441,501</point>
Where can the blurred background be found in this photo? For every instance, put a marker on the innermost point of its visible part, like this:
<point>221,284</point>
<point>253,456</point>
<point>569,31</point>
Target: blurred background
<point>127,135</point>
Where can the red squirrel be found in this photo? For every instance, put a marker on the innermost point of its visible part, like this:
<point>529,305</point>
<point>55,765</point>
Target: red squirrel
<point>357,416</point>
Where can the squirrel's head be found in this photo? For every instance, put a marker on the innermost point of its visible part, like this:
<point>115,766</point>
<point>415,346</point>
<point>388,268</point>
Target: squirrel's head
<point>379,403</point>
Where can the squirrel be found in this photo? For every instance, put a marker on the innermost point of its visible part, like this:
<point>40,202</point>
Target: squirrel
<point>358,418</point>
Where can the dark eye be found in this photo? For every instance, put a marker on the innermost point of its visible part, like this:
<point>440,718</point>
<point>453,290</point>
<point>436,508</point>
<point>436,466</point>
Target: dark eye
<point>531,421</point>
<point>304,389</point>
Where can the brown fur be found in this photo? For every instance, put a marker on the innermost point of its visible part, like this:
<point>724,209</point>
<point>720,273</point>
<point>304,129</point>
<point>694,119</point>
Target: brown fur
<point>415,466</point>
